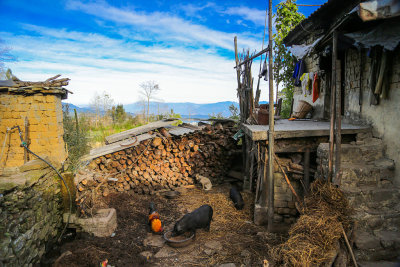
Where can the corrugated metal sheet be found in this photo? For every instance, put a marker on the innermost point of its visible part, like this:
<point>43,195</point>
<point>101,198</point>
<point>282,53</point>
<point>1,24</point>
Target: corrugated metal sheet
<point>322,18</point>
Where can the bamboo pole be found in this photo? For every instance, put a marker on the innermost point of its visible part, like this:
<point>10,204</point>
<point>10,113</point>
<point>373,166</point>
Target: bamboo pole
<point>271,125</point>
<point>333,101</point>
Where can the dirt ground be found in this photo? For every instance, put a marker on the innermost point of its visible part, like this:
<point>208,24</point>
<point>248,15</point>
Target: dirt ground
<point>232,238</point>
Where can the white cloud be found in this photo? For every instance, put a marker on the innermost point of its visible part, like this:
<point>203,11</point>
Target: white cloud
<point>165,25</point>
<point>184,60</point>
<point>183,74</point>
<point>250,14</point>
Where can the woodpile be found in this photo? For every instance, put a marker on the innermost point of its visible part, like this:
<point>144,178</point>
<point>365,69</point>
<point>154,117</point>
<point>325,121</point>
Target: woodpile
<point>161,163</point>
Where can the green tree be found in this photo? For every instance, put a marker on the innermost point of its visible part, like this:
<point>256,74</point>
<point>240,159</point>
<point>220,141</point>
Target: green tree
<point>76,138</point>
<point>216,116</point>
<point>286,18</point>
<point>234,112</point>
<point>118,113</point>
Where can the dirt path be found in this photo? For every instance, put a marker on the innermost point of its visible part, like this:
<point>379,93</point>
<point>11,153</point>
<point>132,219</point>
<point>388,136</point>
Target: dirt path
<point>233,238</point>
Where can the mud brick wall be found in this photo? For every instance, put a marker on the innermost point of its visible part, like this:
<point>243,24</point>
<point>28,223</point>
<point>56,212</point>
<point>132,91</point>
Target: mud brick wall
<point>30,216</point>
<point>44,113</point>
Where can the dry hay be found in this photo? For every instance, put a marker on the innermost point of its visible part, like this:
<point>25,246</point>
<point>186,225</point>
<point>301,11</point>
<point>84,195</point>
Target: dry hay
<point>233,228</point>
<point>317,232</point>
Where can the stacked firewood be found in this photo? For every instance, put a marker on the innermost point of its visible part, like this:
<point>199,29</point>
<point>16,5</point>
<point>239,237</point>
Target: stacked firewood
<point>162,163</point>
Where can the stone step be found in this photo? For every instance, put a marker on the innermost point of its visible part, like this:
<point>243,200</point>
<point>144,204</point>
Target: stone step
<point>359,151</point>
<point>370,219</point>
<point>378,263</point>
<point>378,173</point>
<point>372,197</point>
<point>377,245</point>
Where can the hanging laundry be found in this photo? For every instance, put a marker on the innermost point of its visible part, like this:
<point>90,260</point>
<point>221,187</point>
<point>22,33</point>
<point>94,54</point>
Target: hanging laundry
<point>311,79</point>
<point>296,70</point>
<point>300,72</point>
<point>315,88</point>
<point>305,83</point>
<point>264,71</point>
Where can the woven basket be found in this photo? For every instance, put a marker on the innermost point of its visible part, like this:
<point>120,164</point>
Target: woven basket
<point>302,110</point>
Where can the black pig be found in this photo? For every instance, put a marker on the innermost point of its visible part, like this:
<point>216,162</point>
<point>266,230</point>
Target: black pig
<point>199,218</point>
<point>236,197</point>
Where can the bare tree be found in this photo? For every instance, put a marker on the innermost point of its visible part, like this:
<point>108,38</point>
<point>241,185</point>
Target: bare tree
<point>149,89</point>
<point>5,56</point>
<point>101,104</point>
<point>95,104</point>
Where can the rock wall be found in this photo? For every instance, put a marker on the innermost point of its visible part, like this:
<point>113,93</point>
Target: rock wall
<point>44,113</point>
<point>30,214</point>
<point>382,117</point>
<point>284,207</point>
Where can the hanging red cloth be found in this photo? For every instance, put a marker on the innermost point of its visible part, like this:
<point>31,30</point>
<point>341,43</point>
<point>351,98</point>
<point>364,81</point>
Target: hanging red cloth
<point>315,87</point>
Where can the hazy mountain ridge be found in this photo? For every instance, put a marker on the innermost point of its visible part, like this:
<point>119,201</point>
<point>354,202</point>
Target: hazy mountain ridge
<point>186,109</point>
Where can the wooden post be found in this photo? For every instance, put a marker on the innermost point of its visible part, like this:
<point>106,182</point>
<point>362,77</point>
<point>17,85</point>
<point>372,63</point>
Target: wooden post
<point>338,123</point>
<point>238,79</point>
<point>333,101</point>
<point>264,189</point>
<point>307,170</point>
<point>271,125</point>
<point>252,156</point>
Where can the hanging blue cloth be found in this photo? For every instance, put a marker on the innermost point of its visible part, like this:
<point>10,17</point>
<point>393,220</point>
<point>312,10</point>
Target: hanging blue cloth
<point>296,70</point>
<point>299,73</point>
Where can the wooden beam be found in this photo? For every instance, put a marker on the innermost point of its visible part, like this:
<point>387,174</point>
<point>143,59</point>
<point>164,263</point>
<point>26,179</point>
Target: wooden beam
<point>271,154</point>
<point>307,171</point>
<point>333,105</point>
<point>138,130</point>
<point>338,136</point>
<point>265,50</point>
<point>114,147</point>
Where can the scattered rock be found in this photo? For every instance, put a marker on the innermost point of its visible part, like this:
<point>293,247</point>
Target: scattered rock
<point>154,240</point>
<point>214,245</point>
<point>58,263</point>
<point>165,252</point>
<point>209,252</point>
<point>147,255</point>
<point>245,253</point>
<point>364,240</point>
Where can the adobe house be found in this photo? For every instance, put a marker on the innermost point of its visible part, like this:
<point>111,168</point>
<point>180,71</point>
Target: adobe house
<point>365,38</point>
<point>30,192</point>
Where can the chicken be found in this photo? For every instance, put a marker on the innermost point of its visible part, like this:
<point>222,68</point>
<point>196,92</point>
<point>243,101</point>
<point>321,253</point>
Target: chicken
<point>154,219</point>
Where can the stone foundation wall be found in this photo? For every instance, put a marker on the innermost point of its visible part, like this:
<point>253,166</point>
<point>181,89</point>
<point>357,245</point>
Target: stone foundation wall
<point>30,214</point>
<point>284,208</point>
<point>44,113</point>
<point>383,117</point>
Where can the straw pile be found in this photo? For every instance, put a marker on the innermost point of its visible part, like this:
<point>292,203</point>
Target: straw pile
<point>314,239</point>
<point>232,228</point>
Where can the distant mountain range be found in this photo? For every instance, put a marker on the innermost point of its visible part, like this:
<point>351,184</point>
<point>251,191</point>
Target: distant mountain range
<point>186,109</point>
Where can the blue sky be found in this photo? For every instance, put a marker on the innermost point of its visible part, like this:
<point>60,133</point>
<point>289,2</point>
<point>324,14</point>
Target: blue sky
<point>113,46</point>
